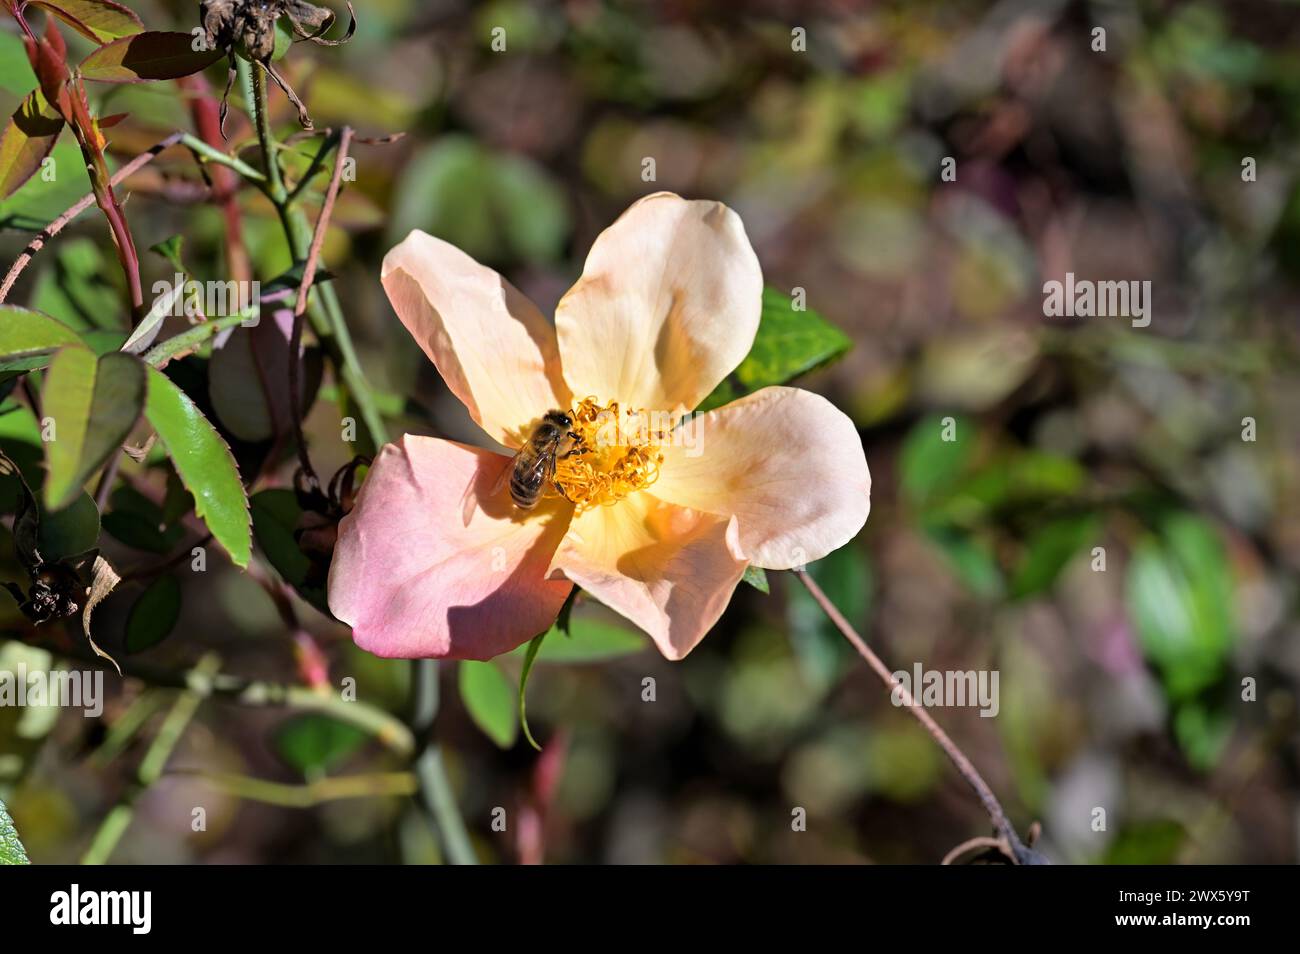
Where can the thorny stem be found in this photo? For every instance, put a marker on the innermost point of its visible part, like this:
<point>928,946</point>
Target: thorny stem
<point>436,791</point>
<point>304,290</point>
<point>324,308</point>
<point>132,167</point>
<point>959,759</point>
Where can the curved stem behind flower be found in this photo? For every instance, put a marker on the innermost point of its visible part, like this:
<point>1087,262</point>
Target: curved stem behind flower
<point>958,757</point>
<point>435,787</point>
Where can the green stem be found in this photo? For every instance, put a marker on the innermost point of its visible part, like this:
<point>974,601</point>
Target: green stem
<point>198,146</point>
<point>435,787</point>
<point>327,321</point>
<point>155,759</point>
<point>323,307</point>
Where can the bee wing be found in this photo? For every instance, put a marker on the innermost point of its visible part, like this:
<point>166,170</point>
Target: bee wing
<point>470,499</point>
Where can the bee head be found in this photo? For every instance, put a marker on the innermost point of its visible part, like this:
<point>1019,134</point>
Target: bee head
<point>559,418</point>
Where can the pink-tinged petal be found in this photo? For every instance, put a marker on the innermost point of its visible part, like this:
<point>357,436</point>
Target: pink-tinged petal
<point>490,343</point>
<point>667,306</point>
<point>418,573</point>
<point>668,569</point>
<point>787,463</point>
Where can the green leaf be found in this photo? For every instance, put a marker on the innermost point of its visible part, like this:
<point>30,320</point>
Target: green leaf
<point>283,39</point>
<point>97,20</point>
<point>489,701</point>
<point>43,198</point>
<point>1048,551</point>
<point>153,615</point>
<point>927,463</point>
<point>1180,599</point>
<point>147,56</point>
<point>275,517</point>
<point>756,577</point>
<point>789,343</point>
<point>1202,733</point>
<point>494,205</point>
<point>138,522</point>
<point>1154,841</point>
<point>94,404</point>
<point>314,744</point>
<point>69,532</point>
<point>204,464</point>
<point>29,334</point>
<point>170,248</point>
<point>11,849</point>
<point>28,138</point>
<point>971,558</point>
<point>76,287</point>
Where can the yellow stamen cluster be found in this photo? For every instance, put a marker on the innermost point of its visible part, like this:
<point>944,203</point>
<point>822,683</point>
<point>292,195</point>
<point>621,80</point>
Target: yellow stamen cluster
<point>614,456</point>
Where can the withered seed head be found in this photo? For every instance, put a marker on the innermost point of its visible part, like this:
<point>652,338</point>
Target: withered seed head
<point>248,27</point>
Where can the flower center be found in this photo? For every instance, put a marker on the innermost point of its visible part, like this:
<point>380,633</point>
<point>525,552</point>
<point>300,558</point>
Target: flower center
<point>615,455</point>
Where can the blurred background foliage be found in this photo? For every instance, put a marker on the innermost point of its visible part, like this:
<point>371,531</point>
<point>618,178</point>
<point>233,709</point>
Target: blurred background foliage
<point>1121,669</point>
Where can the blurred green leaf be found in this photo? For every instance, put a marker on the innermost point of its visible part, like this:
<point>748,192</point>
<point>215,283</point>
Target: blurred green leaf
<point>492,205</point>
<point>1180,599</point>
<point>490,701</point>
<point>1202,732</point>
<point>94,403</point>
<point>76,287</point>
<point>153,615</point>
<point>11,848</point>
<point>16,74</point>
<point>1048,550</point>
<point>971,558</point>
<point>1155,841</point>
<point>927,463</point>
<point>789,343</point>
<point>204,464</point>
<point>314,744</point>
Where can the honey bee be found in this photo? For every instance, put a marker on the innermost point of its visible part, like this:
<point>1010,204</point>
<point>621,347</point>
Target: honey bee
<point>533,466</point>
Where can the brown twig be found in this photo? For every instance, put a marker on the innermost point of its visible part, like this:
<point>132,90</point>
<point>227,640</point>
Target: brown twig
<point>959,759</point>
<point>304,289</point>
<point>81,205</point>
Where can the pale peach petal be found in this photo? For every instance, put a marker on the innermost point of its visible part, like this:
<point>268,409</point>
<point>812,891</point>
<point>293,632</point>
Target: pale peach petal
<point>492,346</point>
<point>787,463</point>
<point>415,577</point>
<point>667,306</point>
<point>668,569</point>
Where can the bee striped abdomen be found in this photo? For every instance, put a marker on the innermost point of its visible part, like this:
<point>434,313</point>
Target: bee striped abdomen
<point>526,484</point>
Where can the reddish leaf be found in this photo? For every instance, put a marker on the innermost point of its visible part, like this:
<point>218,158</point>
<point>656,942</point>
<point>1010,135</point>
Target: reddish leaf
<point>97,20</point>
<point>49,65</point>
<point>27,139</point>
<point>147,56</point>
